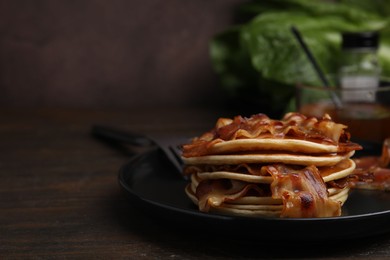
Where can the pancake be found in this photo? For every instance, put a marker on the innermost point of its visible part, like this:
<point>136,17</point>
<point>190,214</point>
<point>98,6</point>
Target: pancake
<point>272,144</point>
<point>247,212</point>
<point>252,200</point>
<point>297,159</point>
<point>329,173</point>
<point>235,176</point>
<point>260,206</point>
<point>341,170</point>
<point>295,167</point>
<point>340,195</point>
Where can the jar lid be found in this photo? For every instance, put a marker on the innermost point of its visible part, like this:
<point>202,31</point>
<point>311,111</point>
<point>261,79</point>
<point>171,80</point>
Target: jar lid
<point>360,40</point>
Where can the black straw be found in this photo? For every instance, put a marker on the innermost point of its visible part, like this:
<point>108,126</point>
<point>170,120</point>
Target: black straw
<point>325,82</point>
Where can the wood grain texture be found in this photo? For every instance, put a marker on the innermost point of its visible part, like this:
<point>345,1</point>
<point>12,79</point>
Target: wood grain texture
<point>109,53</point>
<point>59,196</point>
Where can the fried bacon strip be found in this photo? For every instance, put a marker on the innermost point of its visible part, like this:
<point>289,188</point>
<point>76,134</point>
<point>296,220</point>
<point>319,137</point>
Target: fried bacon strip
<point>373,172</point>
<point>292,126</point>
<point>384,160</point>
<point>303,192</point>
<point>212,193</point>
<point>244,168</point>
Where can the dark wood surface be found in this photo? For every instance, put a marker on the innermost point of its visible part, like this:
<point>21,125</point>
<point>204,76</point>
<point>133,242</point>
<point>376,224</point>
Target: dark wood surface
<point>60,198</point>
<point>111,53</point>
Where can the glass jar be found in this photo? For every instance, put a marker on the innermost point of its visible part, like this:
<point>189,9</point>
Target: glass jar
<point>359,66</point>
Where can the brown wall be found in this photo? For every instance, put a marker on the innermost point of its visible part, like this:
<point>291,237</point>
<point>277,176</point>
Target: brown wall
<point>109,52</point>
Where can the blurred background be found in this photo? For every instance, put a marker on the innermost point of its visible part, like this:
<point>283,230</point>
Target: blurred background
<point>117,53</point>
<point>234,53</point>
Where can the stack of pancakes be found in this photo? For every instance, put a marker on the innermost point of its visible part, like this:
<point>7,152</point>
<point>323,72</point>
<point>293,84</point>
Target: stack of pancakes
<point>257,166</point>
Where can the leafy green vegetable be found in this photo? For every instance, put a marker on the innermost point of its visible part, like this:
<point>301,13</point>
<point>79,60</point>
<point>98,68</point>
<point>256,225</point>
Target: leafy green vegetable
<point>259,62</point>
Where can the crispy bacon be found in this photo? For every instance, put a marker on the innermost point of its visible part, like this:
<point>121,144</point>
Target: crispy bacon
<point>292,126</point>
<point>244,168</point>
<point>212,193</point>
<point>303,192</point>
<point>369,175</point>
<point>384,160</point>
<point>340,183</point>
<point>373,172</point>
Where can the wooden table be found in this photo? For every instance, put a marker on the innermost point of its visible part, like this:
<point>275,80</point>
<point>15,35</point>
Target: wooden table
<point>59,194</point>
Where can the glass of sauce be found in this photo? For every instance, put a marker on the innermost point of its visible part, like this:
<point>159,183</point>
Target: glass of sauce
<point>366,110</point>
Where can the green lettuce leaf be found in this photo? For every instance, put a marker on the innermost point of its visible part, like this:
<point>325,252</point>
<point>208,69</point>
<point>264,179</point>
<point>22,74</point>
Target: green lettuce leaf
<point>259,62</point>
